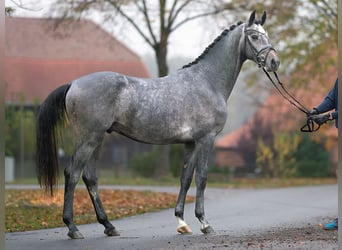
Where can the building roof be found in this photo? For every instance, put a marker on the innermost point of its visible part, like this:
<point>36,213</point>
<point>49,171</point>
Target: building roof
<point>37,38</point>
<point>38,58</point>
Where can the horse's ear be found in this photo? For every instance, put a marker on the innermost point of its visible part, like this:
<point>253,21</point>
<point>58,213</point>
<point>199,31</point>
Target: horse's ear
<point>251,18</point>
<point>263,18</point>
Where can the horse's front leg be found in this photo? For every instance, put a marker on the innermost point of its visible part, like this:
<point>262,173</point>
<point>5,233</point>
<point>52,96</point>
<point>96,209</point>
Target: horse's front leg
<point>205,147</point>
<point>90,179</point>
<point>201,179</point>
<point>185,181</point>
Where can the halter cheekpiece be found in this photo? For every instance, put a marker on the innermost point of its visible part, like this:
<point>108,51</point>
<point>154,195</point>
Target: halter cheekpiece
<point>259,59</point>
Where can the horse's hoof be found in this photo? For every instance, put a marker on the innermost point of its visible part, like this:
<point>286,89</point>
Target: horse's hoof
<point>208,230</point>
<point>75,235</point>
<point>111,232</point>
<point>184,230</point>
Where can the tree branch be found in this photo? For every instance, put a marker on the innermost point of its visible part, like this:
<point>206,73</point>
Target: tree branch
<point>144,10</point>
<point>173,18</point>
<point>131,21</point>
<point>162,10</point>
<point>169,22</point>
<point>21,5</point>
<point>194,17</point>
<point>328,9</point>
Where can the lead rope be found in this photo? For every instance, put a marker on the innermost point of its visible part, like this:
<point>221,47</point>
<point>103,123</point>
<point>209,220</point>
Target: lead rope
<point>310,125</point>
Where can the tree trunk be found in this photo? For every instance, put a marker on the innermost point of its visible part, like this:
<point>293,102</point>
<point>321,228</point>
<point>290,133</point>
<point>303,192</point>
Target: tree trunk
<point>161,56</point>
<point>164,151</point>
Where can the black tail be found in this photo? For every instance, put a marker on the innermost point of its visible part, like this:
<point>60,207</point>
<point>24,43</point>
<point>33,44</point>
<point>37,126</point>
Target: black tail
<point>51,114</point>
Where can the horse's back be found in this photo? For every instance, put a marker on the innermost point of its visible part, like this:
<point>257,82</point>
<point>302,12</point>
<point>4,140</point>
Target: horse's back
<point>99,80</point>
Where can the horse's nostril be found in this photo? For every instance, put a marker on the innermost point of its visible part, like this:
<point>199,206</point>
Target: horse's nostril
<point>275,63</point>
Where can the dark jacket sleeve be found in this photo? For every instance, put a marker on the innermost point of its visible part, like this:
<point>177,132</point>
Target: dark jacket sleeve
<point>330,102</point>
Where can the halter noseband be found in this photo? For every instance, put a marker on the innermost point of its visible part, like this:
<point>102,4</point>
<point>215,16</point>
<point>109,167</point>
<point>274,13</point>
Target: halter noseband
<point>258,54</point>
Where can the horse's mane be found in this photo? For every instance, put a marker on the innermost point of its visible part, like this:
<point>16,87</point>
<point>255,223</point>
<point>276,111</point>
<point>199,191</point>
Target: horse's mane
<point>217,39</point>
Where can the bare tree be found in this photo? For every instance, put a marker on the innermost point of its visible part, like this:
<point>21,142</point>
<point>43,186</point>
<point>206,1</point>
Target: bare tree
<point>154,21</point>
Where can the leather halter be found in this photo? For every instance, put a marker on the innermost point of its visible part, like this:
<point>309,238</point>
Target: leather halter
<point>311,125</point>
<point>258,54</point>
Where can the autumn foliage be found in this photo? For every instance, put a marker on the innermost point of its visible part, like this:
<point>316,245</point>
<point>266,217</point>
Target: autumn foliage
<point>33,209</point>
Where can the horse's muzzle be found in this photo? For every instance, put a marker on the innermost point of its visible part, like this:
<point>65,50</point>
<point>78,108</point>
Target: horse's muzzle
<point>272,61</point>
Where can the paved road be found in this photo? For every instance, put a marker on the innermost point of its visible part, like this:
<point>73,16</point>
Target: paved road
<point>231,212</point>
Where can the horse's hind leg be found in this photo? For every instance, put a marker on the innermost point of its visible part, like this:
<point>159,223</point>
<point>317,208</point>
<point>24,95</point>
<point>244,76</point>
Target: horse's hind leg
<point>72,176</point>
<point>85,148</point>
<point>90,179</point>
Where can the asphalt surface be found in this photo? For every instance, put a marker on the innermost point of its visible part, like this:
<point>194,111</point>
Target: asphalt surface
<point>231,212</point>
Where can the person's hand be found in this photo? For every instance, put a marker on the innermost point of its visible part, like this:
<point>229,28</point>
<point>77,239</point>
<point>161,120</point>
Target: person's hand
<point>312,112</point>
<point>320,119</point>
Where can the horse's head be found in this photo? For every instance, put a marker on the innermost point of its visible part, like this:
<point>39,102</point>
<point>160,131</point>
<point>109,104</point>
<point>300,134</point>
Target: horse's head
<point>257,45</point>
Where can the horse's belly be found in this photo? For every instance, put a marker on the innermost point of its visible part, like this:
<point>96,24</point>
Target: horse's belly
<point>154,134</point>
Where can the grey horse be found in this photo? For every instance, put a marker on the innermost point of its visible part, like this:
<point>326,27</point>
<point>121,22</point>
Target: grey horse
<point>186,107</point>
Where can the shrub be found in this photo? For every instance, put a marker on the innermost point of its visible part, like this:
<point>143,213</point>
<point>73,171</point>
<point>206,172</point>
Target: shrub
<point>144,164</point>
<point>176,159</point>
<point>312,159</point>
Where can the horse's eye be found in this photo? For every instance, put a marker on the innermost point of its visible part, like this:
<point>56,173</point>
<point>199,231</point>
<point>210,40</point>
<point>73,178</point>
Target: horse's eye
<point>255,37</point>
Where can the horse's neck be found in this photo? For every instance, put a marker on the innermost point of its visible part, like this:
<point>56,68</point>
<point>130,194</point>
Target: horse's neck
<point>222,65</point>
